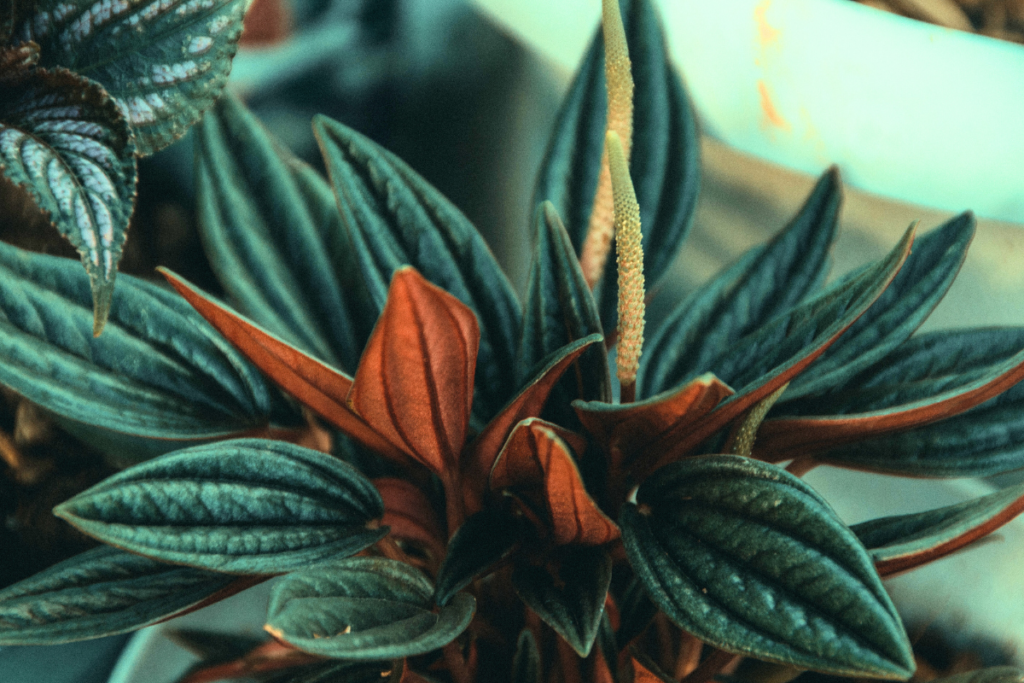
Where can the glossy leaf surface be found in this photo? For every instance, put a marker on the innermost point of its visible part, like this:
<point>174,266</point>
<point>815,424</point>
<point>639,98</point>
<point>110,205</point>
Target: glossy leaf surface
<point>930,377</point>
<point>414,385</point>
<point>664,160</point>
<point>66,142</point>
<point>395,219</point>
<point>364,608</point>
<point>750,559</point>
<point>483,540</point>
<point>764,283</point>
<point>246,506</point>
<point>568,592</point>
<point>274,236</point>
<point>559,310</point>
<point>157,372</point>
<point>165,61</point>
<point>100,592</point>
<point>906,541</point>
<point>915,291</point>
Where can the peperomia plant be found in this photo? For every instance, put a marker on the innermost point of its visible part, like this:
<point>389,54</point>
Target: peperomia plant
<point>88,86</point>
<point>487,511</point>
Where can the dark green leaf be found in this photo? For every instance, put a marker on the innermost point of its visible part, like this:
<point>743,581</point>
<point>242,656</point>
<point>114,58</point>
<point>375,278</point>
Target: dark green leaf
<point>763,284</point>
<point>993,674</point>
<point>635,611</point>
<point>364,608</point>
<point>165,61</point>
<point>159,374</point>
<point>568,592</point>
<point>344,672</point>
<point>664,162</point>
<point>526,666</point>
<point>272,230</point>
<point>482,541</point>
<point>215,646</point>
<point>249,506</point>
<point>559,310</point>
<point>750,559</point>
<point>98,593</point>
<point>906,541</point>
<point>8,9</point>
<point>64,140</point>
<point>396,218</point>
<point>909,300</point>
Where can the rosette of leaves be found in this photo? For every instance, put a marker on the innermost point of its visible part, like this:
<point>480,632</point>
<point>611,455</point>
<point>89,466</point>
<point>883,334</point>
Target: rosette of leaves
<point>91,85</point>
<point>493,514</point>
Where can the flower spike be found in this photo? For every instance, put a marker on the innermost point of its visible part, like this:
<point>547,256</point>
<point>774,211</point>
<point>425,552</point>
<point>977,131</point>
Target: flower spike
<point>619,82</point>
<point>630,255</point>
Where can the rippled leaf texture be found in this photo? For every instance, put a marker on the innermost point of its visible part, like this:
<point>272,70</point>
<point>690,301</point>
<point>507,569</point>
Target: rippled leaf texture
<point>559,310</point>
<point>64,140</point>
<point>928,378</point>
<point>526,664</point>
<point>483,540</point>
<point>396,218</point>
<point>248,506</point>
<point>101,592</point>
<point>271,227</point>
<point>568,592</point>
<point>158,376</point>
<point>664,160</point>
<point>906,541</point>
<point>750,559</point>
<point>766,282</point>
<point>364,608</point>
<point>915,291</point>
<point>165,61</point>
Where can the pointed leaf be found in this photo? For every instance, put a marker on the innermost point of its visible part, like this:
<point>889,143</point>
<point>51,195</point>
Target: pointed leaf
<point>414,385</point>
<point>537,464</point>
<point>483,540</point>
<point>751,560</point>
<point>64,140</point>
<point>559,310</point>
<point>102,592</point>
<point>315,384</point>
<point>395,219</point>
<point>158,375</point>
<point>763,284</point>
<point>526,665</point>
<point>899,543</point>
<point>248,506</point>
<point>271,228</point>
<point>915,291</point>
<point>641,674</point>
<point>411,518</point>
<point>930,377</point>
<point>364,608</point>
<point>165,61</point>
<point>568,593</point>
<point>529,403</point>
<point>664,162</point>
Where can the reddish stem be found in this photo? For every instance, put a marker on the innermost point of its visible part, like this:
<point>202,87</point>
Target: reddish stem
<point>712,665</point>
<point>688,659</point>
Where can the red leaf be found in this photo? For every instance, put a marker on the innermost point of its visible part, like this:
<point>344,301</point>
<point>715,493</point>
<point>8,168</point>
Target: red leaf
<point>411,517</point>
<point>316,384</point>
<point>484,449</point>
<point>414,384</point>
<point>536,462</point>
<point>266,22</point>
<point>641,674</point>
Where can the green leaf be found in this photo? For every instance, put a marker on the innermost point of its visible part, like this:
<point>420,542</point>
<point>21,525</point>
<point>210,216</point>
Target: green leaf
<point>98,593</point>
<point>664,162</point>
<point>364,608</point>
<point>396,218</point>
<point>344,672</point>
<point>568,592</point>
<point>66,142</point>
<point>272,230</point>
<point>764,283</point>
<point>164,61</point>
<point>483,540</point>
<point>635,611</point>
<point>906,541</point>
<point>750,559</point>
<point>559,310</point>
<point>526,665</point>
<point>915,291</point>
<point>159,375</point>
<point>249,506</point>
